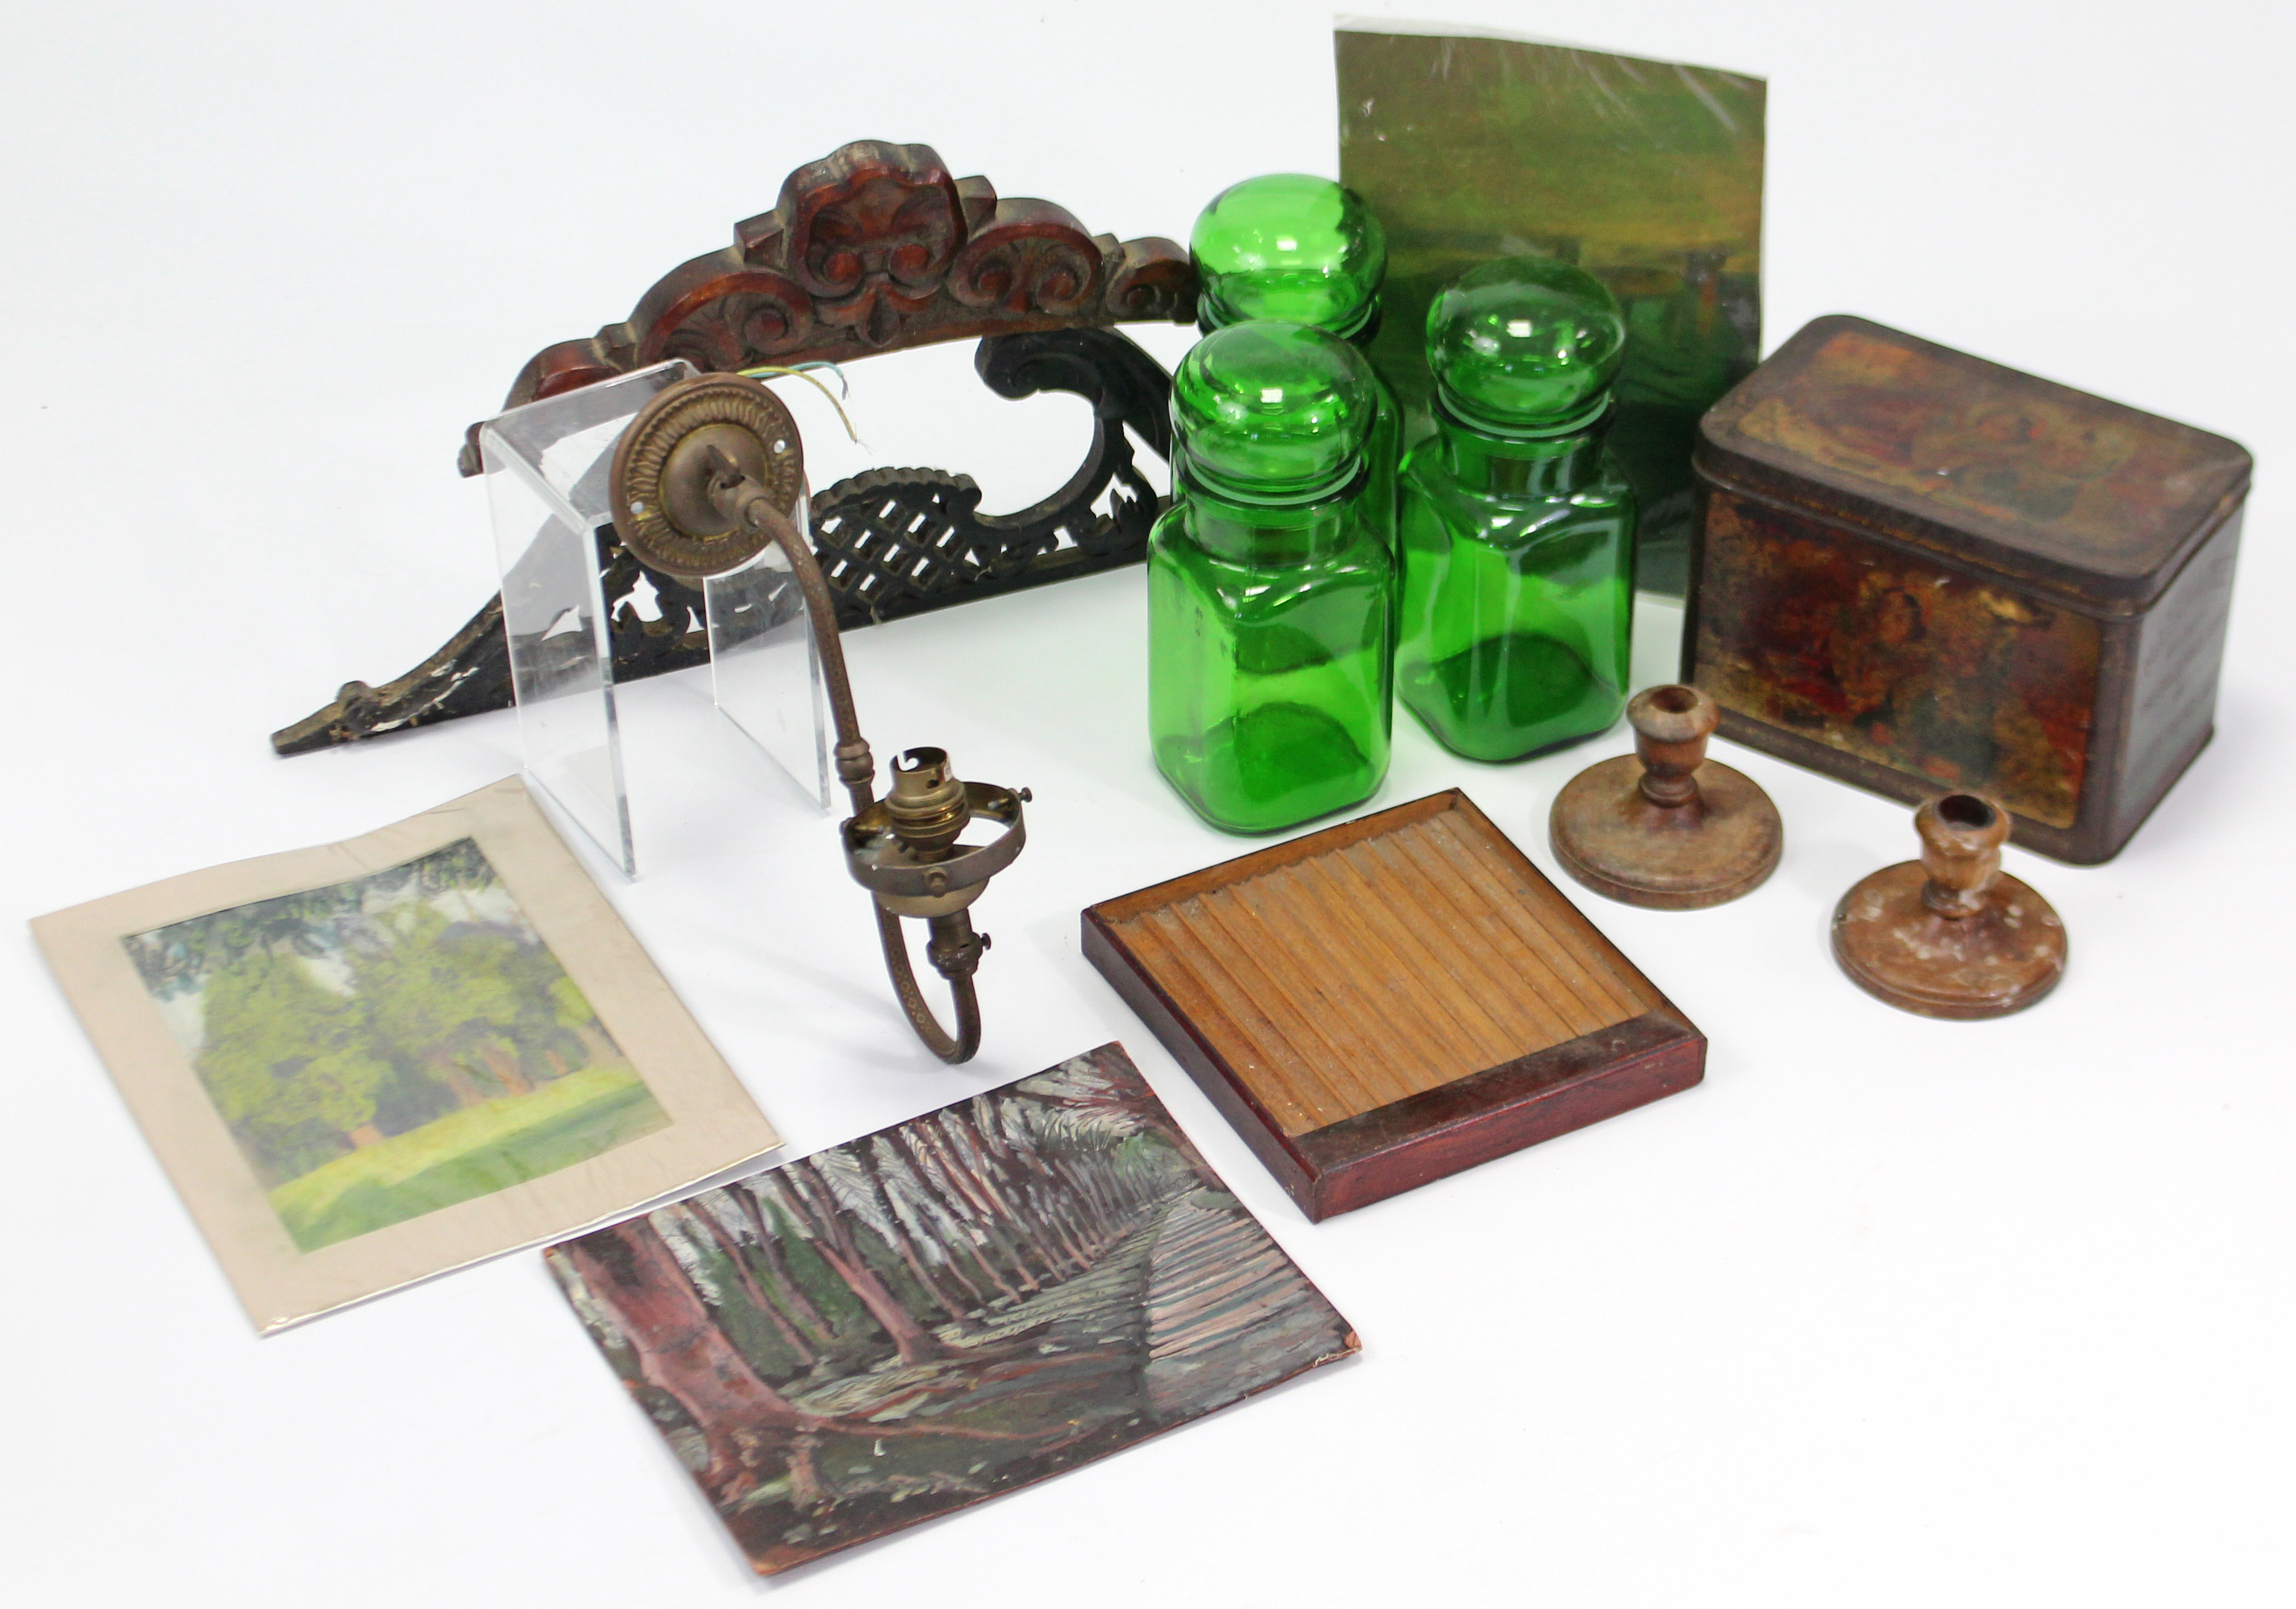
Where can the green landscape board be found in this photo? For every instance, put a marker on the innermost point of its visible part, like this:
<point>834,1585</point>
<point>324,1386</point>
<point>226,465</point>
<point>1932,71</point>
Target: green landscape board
<point>371,1061</point>
<point>1647,174</point>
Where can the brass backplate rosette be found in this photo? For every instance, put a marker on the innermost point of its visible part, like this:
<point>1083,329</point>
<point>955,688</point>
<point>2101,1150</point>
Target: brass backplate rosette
<point>710,430</point>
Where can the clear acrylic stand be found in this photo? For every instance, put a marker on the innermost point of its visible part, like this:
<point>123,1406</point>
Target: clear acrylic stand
<point>547,467</point>
<point>765,668</point>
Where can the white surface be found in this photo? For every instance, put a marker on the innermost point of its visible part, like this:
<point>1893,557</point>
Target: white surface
<point>1887,1312</point>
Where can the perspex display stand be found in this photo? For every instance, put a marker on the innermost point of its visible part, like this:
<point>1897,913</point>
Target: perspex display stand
<point>546,466</point>
<point>764,668</point>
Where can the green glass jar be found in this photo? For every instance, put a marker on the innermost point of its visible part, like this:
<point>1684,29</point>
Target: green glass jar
<point>1292,247</point>
<point>1517,523</point>
<point>1270,586</point>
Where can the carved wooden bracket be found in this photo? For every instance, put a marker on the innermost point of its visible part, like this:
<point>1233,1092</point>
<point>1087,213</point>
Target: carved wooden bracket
<point>874,249</point>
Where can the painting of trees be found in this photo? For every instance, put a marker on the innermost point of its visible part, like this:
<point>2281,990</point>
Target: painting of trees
<point>944,1310</point>
<point>288,1062</point>
<point>386,1046</point>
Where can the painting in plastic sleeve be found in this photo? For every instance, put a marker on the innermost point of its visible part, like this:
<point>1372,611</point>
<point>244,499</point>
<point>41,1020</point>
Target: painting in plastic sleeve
<point>1646,174</point>
<point>369,1062</point>
<point>944,1311</point>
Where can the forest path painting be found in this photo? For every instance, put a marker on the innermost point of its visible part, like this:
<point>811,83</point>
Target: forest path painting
<point>947,1310</point>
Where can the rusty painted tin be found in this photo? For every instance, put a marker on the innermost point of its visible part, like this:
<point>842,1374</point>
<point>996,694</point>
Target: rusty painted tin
<point>1919,572</point>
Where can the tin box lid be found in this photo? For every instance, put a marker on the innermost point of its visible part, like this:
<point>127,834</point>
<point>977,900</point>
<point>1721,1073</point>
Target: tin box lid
<point>1977,462</point>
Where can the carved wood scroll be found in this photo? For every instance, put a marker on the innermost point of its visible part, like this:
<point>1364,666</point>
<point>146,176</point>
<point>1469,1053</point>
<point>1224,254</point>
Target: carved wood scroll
<point>874,249</point>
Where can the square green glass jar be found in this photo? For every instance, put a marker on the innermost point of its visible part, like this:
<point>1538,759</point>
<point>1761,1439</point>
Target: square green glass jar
<point>1271,584</point>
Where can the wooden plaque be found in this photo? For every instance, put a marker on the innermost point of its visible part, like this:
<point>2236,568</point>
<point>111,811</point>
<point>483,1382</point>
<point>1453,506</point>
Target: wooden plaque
<point>1391,1001</point>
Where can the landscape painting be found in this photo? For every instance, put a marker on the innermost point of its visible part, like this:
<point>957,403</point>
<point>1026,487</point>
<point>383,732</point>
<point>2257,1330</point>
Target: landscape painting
<point>389,1045</point>
<point>369,1062</point>
<point>944,1310</point>
<point>1648,174</point>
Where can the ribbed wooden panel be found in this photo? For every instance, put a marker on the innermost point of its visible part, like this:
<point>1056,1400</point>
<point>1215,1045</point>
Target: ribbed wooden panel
<point>1383,965</point>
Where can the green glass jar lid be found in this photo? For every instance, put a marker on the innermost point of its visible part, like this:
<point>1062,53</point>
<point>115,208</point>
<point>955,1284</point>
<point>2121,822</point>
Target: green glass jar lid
<point>1526,346</point>
<point>1289,246</point>
<point>1273,413</point>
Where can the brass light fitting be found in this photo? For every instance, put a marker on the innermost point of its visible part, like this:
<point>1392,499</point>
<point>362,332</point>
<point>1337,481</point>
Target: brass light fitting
<point>705,476</point>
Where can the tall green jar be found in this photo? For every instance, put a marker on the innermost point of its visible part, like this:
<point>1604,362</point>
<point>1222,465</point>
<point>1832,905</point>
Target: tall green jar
<point>1292,247</point>
<point>1517,523</point>
<point>1270,584</point>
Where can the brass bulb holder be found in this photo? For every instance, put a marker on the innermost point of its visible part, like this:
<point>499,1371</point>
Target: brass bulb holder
<point>706,475</point>
<point>933,882</point>
<point>927,805</point>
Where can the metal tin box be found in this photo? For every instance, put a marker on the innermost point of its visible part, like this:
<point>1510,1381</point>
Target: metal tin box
<point>1916,571</point>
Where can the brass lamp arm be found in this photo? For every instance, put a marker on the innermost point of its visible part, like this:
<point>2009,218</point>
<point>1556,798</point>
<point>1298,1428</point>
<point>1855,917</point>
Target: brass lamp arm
<point>912,1000</point>
<point>856,769</point>
<point>703,477</point>
<point>953,948</point>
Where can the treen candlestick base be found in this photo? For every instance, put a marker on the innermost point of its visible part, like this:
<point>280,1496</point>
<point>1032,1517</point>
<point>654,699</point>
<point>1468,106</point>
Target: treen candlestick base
<point>1665,827</point>
<point>1951,934</point>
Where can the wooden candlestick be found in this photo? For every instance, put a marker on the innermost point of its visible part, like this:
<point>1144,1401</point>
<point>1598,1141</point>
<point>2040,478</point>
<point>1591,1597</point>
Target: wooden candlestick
<point>1665,827</point>
<point>1951,934</point>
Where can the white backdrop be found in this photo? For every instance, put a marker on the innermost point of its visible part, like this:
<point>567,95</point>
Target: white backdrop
<point>1887,1311</point>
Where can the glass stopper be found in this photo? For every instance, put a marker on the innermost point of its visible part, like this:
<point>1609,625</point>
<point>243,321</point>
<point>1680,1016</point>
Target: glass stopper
<point>1289,246</point>
<point>1273,413</point>
<point>1526,346</point>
